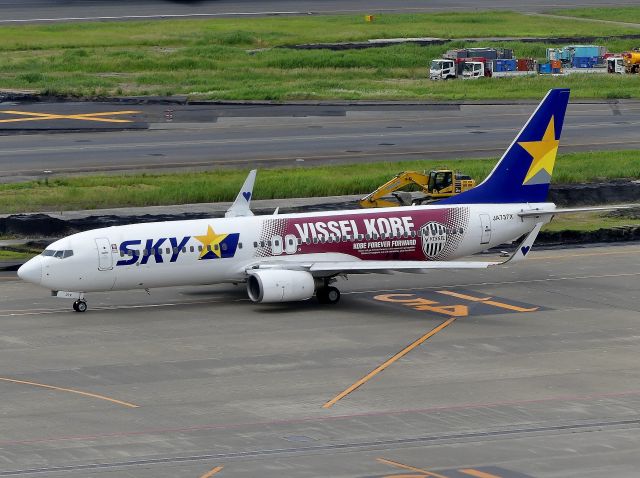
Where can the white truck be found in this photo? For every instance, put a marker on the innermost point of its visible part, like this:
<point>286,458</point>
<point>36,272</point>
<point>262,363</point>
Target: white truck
<point>474,69</point>
<point>443,69</point>
<point>615,64</point>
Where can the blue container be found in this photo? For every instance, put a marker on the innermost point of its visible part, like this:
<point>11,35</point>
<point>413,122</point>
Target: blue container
<point>585,51</point>
<point>544,68</point>
<point>584,62</point>
<point>556,70</point>
<point>511,65</point>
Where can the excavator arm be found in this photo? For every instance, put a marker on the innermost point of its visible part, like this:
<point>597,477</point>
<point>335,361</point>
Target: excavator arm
<point>381,196</point>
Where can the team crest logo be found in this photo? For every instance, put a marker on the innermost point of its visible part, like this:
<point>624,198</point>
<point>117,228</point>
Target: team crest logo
<point>434,238</point>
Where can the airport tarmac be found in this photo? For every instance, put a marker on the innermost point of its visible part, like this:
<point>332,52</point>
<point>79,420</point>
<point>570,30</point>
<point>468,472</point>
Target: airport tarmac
<point>34,11</point>
<point>527,370</point>
<point>193,137</point>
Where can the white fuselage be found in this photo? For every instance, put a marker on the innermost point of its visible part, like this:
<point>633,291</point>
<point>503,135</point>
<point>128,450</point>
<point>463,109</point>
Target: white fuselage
<point>177,253</point>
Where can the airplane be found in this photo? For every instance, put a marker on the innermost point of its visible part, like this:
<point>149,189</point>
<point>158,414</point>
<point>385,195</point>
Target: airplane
<point>292,257</point>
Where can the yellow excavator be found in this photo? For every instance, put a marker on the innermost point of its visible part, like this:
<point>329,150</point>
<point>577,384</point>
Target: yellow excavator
<point>434,185</point>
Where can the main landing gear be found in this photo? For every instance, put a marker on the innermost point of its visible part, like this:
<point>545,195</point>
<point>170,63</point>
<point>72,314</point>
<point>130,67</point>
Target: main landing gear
<point>80,305</point>
<point>328,294</point>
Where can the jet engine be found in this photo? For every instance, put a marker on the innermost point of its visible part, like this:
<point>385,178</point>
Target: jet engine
<point>280,285</point>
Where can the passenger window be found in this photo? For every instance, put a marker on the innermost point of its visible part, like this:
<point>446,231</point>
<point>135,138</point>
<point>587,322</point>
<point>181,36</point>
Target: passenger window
<point>216,247</point>
<point>209,248</point>
<point>191,249</point>
<point>184,249</point>
<point>199,248</point>
<point>169,250</point>
<point>121,253</point>
<point>239,245</point>
<point>255,244</point>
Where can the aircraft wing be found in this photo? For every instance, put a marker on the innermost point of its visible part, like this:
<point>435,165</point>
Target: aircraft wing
<point>367,267</point>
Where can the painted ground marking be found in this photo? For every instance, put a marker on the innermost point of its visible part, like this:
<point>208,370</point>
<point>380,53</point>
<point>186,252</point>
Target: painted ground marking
<point>103,117</point>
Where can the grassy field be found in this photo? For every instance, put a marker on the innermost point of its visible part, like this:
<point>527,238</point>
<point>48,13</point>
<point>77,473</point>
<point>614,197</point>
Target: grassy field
<point>587,222</point>
<point>235,59</point>
<point>222,185</point>
<point>620,14</point>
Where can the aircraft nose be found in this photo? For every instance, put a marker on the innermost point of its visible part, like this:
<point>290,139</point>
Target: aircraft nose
<point>31,271</point>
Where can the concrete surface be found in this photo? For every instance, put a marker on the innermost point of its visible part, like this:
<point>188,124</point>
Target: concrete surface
<point>218,381</point>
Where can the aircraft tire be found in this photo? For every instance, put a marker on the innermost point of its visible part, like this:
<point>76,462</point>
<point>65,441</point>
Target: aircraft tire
<point>332,295</point>
<point>80,306</point>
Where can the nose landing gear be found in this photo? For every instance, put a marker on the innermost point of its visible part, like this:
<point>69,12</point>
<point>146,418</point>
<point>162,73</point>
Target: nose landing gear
<point>80,305</point>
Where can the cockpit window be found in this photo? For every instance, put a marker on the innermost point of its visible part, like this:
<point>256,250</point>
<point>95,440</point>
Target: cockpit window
<point>58,254</point>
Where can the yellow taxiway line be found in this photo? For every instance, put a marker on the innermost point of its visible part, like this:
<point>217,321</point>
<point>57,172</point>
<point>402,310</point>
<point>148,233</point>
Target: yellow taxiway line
<point>424,473</point>
<point>215,471</point>
<point>70,390</point>
<point>383,366</point>
<point>477,473</point>
<point>32,116</point>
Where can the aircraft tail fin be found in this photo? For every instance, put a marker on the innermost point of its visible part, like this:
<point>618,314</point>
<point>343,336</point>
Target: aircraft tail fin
<point>524,172</point>
<point>242,205</point>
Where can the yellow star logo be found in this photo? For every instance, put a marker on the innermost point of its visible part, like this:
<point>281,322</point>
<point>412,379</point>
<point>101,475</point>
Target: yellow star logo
<point>210,241</point>
<point>543,153</point>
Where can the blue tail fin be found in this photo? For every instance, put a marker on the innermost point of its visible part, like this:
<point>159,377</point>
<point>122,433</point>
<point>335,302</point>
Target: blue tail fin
<point>524,172</point>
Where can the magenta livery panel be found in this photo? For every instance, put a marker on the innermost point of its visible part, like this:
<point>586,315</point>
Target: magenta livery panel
<point>414,234</point>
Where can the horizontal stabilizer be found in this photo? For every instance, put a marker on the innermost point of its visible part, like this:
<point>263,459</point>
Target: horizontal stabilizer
<point>545,212</point>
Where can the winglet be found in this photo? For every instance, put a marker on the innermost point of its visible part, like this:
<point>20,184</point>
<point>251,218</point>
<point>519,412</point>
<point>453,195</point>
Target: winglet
<point>242,205</point>
<point>525,246</point>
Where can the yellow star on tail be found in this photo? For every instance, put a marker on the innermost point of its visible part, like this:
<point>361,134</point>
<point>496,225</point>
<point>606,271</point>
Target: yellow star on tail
<point>211,239</point>
<point>543,152</point>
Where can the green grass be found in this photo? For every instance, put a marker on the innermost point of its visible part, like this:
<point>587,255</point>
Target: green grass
<point>587,222</point>
<point>620,14</point>
<point>91,192</point>
<point>14,255</point>
<point>212,58</point>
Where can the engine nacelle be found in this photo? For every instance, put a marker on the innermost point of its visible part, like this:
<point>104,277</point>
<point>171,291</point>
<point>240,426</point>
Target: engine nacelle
<point>280,285</point>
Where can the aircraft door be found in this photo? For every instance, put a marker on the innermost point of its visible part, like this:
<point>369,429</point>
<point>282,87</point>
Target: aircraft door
<point>105,259</point>
<point>485,223</point>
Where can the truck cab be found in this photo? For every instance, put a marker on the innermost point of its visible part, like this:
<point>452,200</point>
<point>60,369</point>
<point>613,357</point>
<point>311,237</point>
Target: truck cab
<point>615,64</point>
<point>473,69</point>
<point>442,70</point>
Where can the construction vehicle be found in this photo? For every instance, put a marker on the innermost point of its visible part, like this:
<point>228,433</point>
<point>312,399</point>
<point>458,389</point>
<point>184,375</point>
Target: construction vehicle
<point>436,184</point>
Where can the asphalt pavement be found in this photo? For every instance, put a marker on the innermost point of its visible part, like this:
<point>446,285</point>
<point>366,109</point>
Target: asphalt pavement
<point>537,376</point>
<point>117,137</point>
<point>25,11</point>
